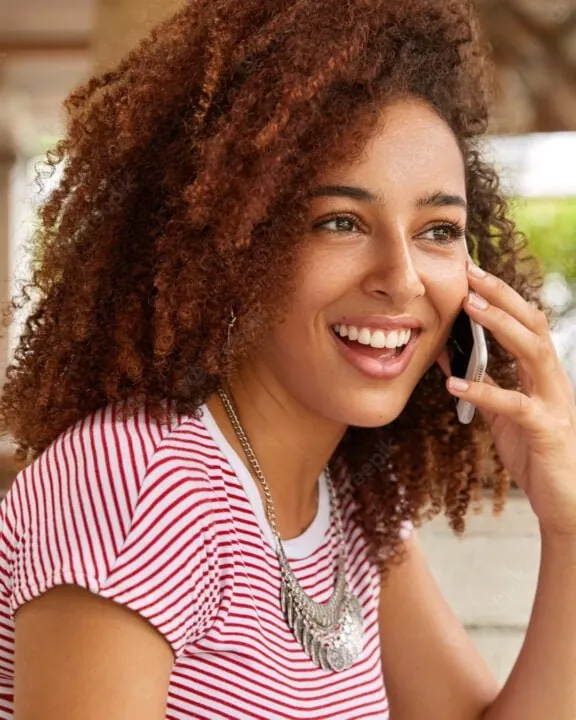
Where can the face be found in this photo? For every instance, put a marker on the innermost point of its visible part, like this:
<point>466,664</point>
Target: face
<point>384,251</point>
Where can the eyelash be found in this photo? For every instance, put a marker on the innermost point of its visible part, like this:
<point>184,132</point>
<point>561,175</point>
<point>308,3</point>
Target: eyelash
<point>456,232</point>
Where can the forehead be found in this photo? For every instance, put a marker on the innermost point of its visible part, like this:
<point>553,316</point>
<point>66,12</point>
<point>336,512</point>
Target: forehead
<point>412,150</point>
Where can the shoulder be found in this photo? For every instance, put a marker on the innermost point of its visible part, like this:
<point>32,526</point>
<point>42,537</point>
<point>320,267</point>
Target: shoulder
<point>109,486</point>
<point>110,476</point>
<point>124,508</point>
<point>107,459</point>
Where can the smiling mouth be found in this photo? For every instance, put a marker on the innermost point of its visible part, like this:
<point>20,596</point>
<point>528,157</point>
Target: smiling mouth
<point>378,363</point>
<point>372,352</point>
<point>370,344</point>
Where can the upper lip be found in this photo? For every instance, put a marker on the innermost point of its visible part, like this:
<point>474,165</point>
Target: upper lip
<point>380,322</point>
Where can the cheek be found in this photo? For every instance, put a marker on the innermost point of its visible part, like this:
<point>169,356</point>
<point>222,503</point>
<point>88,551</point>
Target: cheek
<point>323,279</point>
<point>320,286</point>
<point>447,289</point>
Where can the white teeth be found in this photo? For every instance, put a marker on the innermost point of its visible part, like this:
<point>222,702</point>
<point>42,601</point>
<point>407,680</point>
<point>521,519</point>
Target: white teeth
<point>364,336</point>
<point>392,340</point>
<point>378,339</point>
<point>374,338</point>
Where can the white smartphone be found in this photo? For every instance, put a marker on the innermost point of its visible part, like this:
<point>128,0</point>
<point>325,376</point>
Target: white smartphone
<point>469,358</point>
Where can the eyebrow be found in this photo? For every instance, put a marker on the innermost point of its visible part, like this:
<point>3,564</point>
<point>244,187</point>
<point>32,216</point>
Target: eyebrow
<point>435,199</point>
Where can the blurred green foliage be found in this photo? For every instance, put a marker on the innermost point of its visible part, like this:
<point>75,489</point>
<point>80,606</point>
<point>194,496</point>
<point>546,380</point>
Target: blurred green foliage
<point>550,226</point>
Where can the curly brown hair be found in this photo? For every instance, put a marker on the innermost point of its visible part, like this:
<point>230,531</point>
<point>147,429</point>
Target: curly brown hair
<point>186,173</point>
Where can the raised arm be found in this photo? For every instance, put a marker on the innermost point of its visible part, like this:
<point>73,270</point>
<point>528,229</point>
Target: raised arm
<point>432,669</point>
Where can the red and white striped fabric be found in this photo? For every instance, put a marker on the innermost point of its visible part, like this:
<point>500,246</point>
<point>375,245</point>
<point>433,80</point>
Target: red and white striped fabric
<point>166,520</point>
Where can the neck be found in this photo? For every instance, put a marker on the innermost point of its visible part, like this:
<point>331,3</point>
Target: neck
<point>292,444</point>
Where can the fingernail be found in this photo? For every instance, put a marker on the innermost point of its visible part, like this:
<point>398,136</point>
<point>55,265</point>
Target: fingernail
<point>475,270</point>
<point>458,384</point>
<point>477,301</point>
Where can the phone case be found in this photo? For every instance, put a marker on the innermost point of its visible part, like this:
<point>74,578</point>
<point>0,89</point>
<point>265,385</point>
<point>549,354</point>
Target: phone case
<point>476,368</point>
<point>475,372</point>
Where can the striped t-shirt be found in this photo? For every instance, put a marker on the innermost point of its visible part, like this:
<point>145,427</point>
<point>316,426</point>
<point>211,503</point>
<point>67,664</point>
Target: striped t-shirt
<point>165,519</point>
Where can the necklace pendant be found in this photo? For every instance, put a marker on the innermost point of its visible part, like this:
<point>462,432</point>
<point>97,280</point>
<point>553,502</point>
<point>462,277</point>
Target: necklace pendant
<point>307,642</point>
<point>349,644</point>
<point>332,646</point>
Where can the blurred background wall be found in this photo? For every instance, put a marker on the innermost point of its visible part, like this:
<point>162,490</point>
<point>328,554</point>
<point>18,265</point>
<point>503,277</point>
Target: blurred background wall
<point>49,46</point>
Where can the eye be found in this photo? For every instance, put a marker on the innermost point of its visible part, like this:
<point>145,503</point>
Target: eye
<point>342,223</point>
<point>445,233</point>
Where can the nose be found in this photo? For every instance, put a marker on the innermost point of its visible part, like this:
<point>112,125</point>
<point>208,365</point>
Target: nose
<point>393,273</point>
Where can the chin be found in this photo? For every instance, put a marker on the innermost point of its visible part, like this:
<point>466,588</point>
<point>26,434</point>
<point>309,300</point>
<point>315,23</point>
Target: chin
<point>370,409</point>
<point>367,419</point>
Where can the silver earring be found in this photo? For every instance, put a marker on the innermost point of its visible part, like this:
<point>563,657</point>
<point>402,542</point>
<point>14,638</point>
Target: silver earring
<point>231,324</point>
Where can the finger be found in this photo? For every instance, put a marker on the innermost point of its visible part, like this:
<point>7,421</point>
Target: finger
<point>501,295</point>
<point>535,353</point>
<point>490,381</point>
<point>487,414</point>
<point>492,400</point>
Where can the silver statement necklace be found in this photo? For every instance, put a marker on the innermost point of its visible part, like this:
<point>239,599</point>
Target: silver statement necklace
<point>331,633</point>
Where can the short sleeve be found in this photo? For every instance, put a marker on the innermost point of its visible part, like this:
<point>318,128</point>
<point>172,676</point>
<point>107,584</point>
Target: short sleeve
<point>109,508</point>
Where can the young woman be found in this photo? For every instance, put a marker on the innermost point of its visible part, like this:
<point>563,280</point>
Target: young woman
<point>231,386</point>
